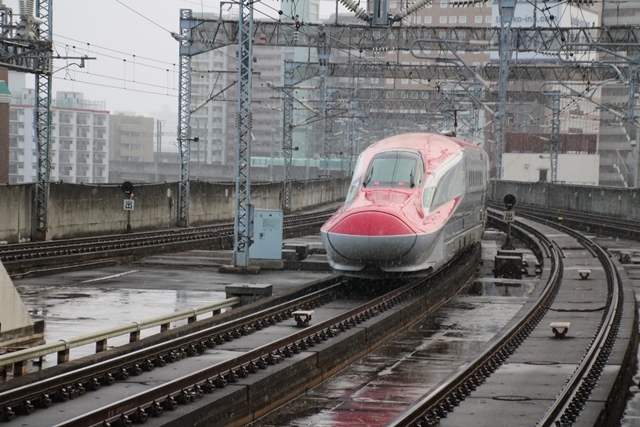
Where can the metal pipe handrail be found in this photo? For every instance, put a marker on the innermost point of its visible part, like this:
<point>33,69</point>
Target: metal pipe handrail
<point>95,337</point>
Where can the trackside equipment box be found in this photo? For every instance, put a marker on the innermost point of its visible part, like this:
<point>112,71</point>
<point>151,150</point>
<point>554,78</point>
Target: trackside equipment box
<point>267,234</point>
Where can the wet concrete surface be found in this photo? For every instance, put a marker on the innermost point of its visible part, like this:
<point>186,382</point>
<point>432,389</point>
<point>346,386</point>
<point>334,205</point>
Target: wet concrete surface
<point>82,302</point>
<point>370,392</point>
<point>376,388</point>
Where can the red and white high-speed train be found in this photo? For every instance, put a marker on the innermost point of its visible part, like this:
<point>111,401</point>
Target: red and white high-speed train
<point>415,201</point>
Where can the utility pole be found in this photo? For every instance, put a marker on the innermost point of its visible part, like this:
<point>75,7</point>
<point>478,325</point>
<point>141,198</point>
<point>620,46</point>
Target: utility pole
<point>184,110</point>
<point>507,8</point>
<point>42,119</point>
<point>287,133</point>
<point>554,138</point>
<point>243,212</point>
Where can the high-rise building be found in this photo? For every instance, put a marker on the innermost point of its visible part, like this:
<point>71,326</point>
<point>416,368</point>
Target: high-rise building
<point>618,148</point>
<point>5,100</point>
<point>435,104</point>
<point>131,145</point>
<point>131,137</point>
<point>214,96</point>
<point>78,150</point>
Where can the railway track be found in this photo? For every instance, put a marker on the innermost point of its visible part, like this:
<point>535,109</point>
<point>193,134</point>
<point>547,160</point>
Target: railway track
<point>23,396</point>
<point>190,397</point>
<point>33,258</point>
<point>338,335</point>
<point>589,223</point>
<point>571,397</point>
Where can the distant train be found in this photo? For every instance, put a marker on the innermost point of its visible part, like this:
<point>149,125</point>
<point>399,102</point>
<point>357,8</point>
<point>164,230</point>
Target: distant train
<point>415,201</point>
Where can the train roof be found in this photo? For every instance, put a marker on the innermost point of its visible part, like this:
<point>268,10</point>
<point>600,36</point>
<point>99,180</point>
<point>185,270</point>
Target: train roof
<point>435,148</point>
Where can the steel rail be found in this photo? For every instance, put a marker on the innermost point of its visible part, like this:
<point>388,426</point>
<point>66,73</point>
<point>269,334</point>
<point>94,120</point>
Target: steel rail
<point>606,225</point>
<point>40,394</point>
<point>193,384</point>
<point>444,396</point>
<point>568,404</point>
<point>100,336</point>
<point>23,251</point>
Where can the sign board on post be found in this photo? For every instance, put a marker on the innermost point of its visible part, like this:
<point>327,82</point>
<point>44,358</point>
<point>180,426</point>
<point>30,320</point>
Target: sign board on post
<point>509,216</point>
<point>128,204</point>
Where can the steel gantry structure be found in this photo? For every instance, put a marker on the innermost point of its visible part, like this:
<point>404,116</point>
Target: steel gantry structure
<point>216,33</point>
<point>190,30</point>
<point>208,34</point>
<point>506,9</point>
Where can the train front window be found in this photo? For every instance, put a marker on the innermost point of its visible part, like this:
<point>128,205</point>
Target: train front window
<point>394,169</point>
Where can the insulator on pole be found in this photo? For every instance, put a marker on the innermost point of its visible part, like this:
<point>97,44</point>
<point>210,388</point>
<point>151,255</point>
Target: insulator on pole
<point>353,7</point>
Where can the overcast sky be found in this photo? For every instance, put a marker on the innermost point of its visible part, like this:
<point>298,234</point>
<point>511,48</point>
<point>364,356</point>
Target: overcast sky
<point>136,66</point>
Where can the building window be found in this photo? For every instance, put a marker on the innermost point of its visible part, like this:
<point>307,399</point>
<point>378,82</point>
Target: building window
<point>443,19</point>
<point>463,19</point>
<point>478,19</point>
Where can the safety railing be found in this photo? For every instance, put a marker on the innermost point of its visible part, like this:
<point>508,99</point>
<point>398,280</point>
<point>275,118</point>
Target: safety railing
<point>20,358</point>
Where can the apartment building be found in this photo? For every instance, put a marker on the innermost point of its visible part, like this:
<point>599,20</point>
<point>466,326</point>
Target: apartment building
<point>528,115</point>
<point>214,94</point>
<point>5,101</point>
<point>78,149</point>
<point>131,146</point>
<point>620,162</point>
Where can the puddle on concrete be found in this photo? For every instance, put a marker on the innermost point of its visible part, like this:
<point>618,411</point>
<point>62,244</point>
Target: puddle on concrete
<point>502,288</point>
<point>373,390</point>
<point>70,312</point>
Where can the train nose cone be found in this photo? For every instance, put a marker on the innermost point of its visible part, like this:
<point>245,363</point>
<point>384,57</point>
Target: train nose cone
<point>372,224</point>
<point>371,236</point>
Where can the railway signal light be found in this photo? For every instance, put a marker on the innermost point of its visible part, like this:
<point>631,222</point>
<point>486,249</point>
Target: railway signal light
<point>127,188</point>
<point>509,201</point>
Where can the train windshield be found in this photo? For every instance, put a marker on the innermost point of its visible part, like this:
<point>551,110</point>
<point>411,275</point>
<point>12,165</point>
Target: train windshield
<point>394,169</point>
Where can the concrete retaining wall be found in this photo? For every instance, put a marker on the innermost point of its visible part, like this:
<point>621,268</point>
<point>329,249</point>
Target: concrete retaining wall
<point>88,210</point>
<point>14,314</point>
<point>15,212</point>
<point>612,201</point>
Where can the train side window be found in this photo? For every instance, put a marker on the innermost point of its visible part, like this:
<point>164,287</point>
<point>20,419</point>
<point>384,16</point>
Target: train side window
<point>444,184</point>
<point>449,186</point>
<point>355,181</point>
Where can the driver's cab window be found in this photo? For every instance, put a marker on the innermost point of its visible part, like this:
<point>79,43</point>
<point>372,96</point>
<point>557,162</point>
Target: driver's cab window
<point>394,169</point>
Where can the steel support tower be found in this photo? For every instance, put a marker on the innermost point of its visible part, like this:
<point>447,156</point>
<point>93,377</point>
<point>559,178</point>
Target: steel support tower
<point>507,8</point>
<point>554,138</point>
<point>243,214</point>
<point>323,61</point>
<point>42,121</point>
<point>184,120</point>
<point>287,132</point>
